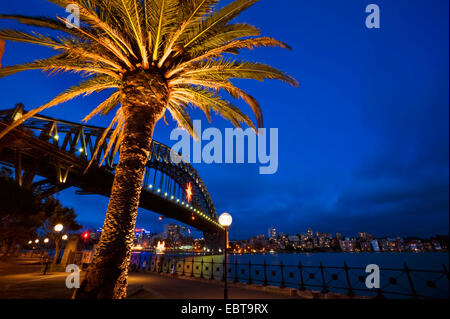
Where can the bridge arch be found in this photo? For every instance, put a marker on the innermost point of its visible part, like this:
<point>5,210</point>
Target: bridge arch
<point>59,151</point>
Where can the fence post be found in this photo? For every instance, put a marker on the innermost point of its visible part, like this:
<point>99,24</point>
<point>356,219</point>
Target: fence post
<point>201,269</point>
<point>236,271</point>
<point>349,283</point>
<point>302,281</point>
<point>282,283</point>
<point>169,268</point>
<point>265,274</point>
<point>192,267</point>
<point>212,269</point>
<point>446,271</point>
<point>161,262</point>
<point>324,284</point>
<point>139,263</point>
<point>184,264</point>
<point>411,284</point>
<point>250,272</point>
<point>224,269</point>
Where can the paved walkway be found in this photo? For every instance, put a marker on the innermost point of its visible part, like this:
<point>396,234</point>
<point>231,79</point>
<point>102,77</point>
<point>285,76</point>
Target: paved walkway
<point>23,278</point>
<point>168,287</point>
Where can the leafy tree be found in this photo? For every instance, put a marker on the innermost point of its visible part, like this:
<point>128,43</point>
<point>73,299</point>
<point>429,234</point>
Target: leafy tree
<point>19,213</point>
<point>157,56</point>
<point>54,213</point>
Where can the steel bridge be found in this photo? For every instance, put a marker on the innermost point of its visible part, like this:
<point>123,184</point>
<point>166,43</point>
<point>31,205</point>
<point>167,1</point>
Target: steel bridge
<point>58,152</point>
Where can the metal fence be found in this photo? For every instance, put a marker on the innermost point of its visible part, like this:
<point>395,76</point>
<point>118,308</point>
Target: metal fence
<point>395,282</point>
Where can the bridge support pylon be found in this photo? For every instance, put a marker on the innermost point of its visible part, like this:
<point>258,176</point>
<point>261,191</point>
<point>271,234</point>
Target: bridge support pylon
<point>214,241</point>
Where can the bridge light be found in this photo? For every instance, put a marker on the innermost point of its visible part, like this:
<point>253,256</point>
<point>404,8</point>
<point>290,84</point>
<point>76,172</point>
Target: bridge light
<point>150,186</point>
<point>56,137</point>
<point>172,197</point>
<point>182,203</point>
<point>166,194</point>
<point>159,191</point>
<point>81,150</point>
<point>189,192</point>
<point>178,200</point>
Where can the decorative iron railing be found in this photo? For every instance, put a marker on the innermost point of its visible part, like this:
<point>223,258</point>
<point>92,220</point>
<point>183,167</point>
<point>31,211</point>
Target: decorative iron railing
<point>395,282</point>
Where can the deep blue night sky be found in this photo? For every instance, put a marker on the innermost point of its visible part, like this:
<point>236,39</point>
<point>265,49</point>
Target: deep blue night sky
<point>364,142</point>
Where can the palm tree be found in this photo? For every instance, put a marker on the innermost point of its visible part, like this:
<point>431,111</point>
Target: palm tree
<point>158,56</point>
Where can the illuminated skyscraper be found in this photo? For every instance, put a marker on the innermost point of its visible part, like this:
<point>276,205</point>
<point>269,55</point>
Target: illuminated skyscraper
<point>272,233</point>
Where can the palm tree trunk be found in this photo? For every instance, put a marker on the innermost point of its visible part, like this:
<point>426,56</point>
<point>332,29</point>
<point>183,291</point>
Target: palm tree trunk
<point>143,106</point>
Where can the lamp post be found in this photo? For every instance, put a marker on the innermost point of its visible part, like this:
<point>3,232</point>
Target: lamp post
<point>225,220</point>
<point>58,229</point>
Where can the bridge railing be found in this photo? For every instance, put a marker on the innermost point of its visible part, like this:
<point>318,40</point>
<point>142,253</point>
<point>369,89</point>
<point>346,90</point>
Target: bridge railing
<point>395,282</point>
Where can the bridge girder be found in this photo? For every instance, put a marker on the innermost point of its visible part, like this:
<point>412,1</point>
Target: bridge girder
<point>37,148</point>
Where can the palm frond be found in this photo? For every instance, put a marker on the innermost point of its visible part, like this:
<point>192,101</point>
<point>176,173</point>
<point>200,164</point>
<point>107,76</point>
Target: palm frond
<point>224,70</point>
<point>223,35</point>
<point>182,118</point>
<point>219,18</point>
<point>95,84</point>
<point>231,89</point>
<point>101,141</point>
<point>162,20</point>
<point>192,11</point>
<point>207,99</point>
<point>105,107</point>
<point>119,127</point>
<point>133,11</point>
<point>237,45</point>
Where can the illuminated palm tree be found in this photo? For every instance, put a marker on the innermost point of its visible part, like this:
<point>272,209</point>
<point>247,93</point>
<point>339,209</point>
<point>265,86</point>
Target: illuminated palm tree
<point>158,55</point>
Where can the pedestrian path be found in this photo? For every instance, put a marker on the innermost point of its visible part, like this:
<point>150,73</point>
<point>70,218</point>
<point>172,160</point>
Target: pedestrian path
<point>23,279</point>
<point>166,287</point>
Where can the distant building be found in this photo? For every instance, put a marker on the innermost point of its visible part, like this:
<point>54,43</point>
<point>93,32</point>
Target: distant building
<point>347,245</point>
<point>365,236</point>
<point>365,246</point>
<point>294,239</point>
<point>436,245</point>
<point>272,233</point>
<point>375,245</point>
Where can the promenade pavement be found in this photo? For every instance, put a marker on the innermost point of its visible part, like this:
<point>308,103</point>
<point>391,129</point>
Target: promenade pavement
<point>23,278</point>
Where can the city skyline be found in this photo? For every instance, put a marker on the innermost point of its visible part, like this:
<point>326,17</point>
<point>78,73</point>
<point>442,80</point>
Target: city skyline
<point>365,146</point>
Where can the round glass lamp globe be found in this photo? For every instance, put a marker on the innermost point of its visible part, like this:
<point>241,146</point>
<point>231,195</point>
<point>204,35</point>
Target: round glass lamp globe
<point>225,220</point>
<point>46,240</point>
<point>64,237</point>
<point>59,227</point>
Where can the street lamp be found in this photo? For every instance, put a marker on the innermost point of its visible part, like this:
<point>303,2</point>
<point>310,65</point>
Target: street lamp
<point>64,237</point>
<point>36,241</point>
<point>46,240</point>
<point>58,228</point>
<point>225,220</point>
